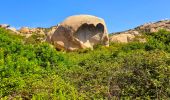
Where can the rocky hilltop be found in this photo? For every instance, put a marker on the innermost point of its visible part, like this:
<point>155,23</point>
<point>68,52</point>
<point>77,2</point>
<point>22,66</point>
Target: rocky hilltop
<point>129,35</point>
<point>85,31</point>
<point>27,30</point>
<point>75,32</point>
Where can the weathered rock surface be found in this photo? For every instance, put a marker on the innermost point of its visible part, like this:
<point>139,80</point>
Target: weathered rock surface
<point>130,35</point>
<point>50,32</point>
<point>122,38</point>
<point>80,32</point>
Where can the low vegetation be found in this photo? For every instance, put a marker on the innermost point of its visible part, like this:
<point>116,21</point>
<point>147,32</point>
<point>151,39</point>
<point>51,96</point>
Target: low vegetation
<point>31,70</point>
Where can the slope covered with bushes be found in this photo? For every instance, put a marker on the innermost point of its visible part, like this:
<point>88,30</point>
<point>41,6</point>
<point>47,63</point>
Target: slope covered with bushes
<point>122,71</point>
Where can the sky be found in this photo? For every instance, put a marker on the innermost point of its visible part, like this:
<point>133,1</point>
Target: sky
<point>119,15</point>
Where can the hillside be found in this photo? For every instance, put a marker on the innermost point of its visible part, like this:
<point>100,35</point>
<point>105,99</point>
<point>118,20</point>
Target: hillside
<point>31,69</point>
<point>131,34</point>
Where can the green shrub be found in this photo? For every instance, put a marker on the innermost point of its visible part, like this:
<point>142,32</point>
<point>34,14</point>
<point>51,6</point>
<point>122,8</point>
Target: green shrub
<point>158,40</point>
<point>143,75</point>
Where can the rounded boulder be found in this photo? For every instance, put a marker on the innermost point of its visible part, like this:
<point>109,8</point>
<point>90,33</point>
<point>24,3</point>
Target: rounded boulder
<point>80,32</point>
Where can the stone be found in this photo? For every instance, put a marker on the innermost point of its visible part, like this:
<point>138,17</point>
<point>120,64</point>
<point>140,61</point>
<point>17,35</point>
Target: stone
<point>122,38</point>
<point>80,32</point>
<point>24,30</point>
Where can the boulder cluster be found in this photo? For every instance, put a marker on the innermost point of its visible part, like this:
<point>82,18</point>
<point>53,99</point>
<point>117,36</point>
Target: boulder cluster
<point>28,32</point>
<point>85,31</point>
<point>41,31</point>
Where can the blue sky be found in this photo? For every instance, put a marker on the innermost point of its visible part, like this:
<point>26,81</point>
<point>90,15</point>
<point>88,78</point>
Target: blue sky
<point>119,15</point>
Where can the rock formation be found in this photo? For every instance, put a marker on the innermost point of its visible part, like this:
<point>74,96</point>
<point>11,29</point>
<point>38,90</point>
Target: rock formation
<point>4,25</point>
<point>80,32</point>
<point>130,35</point>
<point>27,30</point>
<point>122,38</point>
<point>85,31</point>
<point>24,30</point>
<point>8,27</point>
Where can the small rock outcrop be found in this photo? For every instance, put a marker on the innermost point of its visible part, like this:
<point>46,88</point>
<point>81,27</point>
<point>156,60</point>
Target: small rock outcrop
<point>80,32</point>
<point>43,33</point>
<point>26,30</point>
<point>4,26</point>
<point>130,35</point>
<point>8,27</point>
<point>122,38</point>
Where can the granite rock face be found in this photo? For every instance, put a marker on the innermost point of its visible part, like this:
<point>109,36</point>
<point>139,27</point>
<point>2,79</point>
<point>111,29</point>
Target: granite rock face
<point>80,32</point>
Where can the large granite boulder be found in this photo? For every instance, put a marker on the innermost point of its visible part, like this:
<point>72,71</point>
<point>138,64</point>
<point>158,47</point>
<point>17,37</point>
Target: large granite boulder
<point>80,32</point>
<point>126,37</point>
<point>50,32</point>
<point>122,38</point>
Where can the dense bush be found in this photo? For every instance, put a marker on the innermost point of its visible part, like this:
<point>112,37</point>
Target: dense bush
<point>30,69</point>
<point>159,40</point>
<point>143,75</point>
<point>22,66</point>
